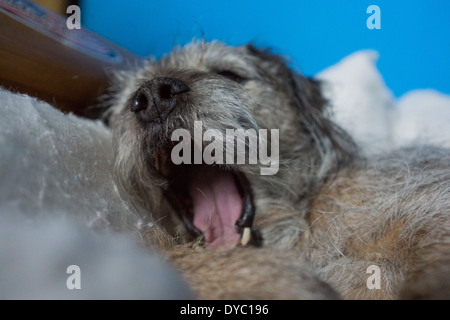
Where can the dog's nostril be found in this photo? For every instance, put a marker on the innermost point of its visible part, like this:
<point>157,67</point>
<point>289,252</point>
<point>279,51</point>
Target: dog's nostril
<point>170,87</point>
<point>165,91</point>
<point>157,98</point>
<point>140,102</point>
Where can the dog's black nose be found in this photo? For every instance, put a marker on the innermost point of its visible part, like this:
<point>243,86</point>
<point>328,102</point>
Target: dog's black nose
<point>157,98</point>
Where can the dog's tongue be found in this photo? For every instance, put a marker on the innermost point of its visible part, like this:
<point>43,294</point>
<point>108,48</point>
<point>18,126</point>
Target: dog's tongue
<point>217,206</point>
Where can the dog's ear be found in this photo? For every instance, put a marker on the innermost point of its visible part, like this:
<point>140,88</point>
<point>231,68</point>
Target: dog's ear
<point>307,98</point>
<point>307,91</point>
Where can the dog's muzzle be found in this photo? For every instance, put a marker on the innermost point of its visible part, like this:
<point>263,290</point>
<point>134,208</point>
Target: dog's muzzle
<point>157,98</point>
<point>214,201</point>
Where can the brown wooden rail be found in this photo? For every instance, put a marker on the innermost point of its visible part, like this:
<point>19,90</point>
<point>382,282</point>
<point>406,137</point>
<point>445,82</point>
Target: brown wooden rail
<point>66,70</point>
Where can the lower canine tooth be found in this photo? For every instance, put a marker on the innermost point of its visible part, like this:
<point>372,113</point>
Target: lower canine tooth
<point>246,235</point>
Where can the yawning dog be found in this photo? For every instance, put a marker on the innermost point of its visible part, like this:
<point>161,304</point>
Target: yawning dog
<point>319,222</point>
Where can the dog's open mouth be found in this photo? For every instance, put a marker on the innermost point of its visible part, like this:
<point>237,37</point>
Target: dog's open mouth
<point>213,201</point>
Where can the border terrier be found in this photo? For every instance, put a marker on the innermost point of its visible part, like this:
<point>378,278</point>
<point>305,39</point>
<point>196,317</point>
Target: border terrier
<point>311,230</point>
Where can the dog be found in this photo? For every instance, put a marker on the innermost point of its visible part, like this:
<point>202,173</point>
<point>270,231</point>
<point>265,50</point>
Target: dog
<point>328,223</point>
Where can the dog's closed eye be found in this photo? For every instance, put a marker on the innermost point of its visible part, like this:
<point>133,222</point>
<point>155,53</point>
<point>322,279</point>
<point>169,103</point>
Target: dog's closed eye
<point>231,75</point>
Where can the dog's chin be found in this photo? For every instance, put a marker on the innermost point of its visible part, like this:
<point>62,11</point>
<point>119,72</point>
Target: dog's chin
<point>215,202</point>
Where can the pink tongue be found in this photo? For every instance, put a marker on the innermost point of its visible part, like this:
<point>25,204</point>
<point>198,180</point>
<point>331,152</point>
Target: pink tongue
<point>217,206</point>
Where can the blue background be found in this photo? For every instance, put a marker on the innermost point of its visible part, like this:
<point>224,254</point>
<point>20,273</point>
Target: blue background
<point>414,40</point>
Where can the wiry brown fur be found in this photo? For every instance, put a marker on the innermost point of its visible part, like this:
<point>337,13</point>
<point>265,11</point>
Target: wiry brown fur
<point>327,211</point>
<point>391,212</point>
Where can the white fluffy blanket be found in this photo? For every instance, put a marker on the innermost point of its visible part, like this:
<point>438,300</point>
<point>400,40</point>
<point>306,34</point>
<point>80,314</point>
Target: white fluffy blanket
<point>365,107</point>
<point>59,207</point>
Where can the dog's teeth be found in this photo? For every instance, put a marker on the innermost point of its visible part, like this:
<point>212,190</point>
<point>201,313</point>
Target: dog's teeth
<point>246,235</point>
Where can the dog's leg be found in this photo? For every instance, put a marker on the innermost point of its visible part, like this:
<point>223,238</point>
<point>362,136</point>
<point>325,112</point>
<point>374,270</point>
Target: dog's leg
<point>248,273</point>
